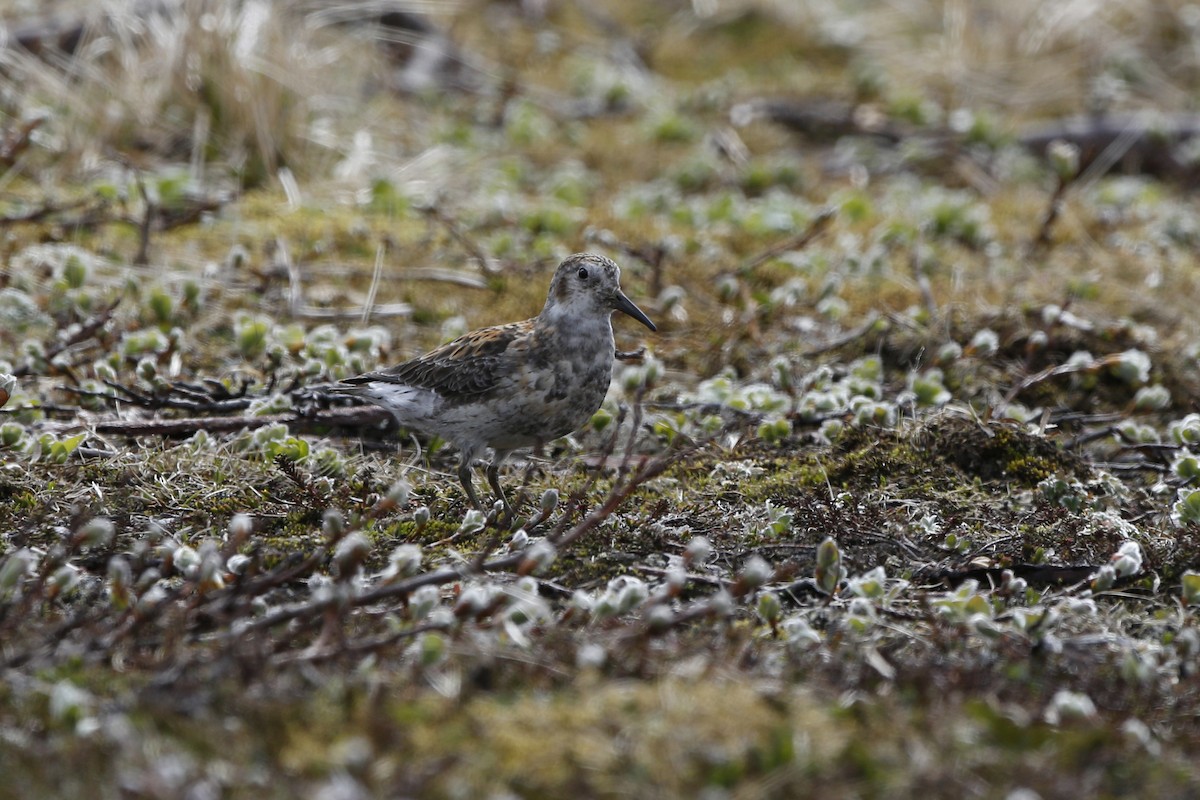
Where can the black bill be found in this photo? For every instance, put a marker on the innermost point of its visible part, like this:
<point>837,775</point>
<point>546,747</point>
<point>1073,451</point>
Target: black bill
<point>624,304</point>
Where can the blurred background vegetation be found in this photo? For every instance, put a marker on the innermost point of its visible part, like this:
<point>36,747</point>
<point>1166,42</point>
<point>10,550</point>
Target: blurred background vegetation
<point>922,402</point>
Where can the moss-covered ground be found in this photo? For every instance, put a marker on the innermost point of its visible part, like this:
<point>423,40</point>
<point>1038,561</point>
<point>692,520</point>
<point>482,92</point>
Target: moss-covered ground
<point>899,500</point>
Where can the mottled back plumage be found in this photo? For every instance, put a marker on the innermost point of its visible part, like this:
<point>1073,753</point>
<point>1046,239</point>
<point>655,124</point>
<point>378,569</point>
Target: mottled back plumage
<point>514,385</point>
<point>465,368</point>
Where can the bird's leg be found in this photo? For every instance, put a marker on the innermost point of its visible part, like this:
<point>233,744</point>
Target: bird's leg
<point>464,475</point>
<point>493,476</point>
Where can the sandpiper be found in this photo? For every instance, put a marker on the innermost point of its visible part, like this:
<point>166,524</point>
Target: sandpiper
<point>516,385</point>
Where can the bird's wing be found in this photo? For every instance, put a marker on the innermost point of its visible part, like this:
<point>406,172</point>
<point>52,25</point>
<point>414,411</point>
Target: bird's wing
<point>469,366</point>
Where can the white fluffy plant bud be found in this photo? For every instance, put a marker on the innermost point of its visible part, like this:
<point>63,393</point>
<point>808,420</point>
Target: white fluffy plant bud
<point>675,579</point>
<point>240,527</point>
<point>238,563</point>
<point>721,603</point>
<point>799,634</point>
<point>769,608</point>
<point>62,581</point>
<point>211,574</point>
<point>186,560</point>
<point>69,704</point>
<point>829,566</point>
<point>631,594</point>
<point>604,606</point>
<point>652,371</point>
<point>659,618</point>
<point>697,551</point>
<point>333,523</point>
<point>985,626</point>
<point>403,562</point>
<point>1125,562</point>
<point>474,601</point>
<point>147,370</point>
<point>727,288</point>
<point>1128,559</point>
<point>549,501</point>
<point>631,379</point>
<point>538,558</point>
<point>472,523</point>
<point>1066,705</point>
<point>423,601</point>
<point>119,584</point>
<point>590,655</point>
<point>622,595</point>
<point>755,572</point>
<point>432,648</point>
<point>322,487</point>
<point>1132,367</point>
<point>1064,158</point>
<point>1104,578</point>
<point>1189,585</point>
<point>350,553</point>
<point>149,599</point>
<point>13,569</point>
<point>1011,585</point>
<point>400,492</point>
<point>96,532</point>
<point>985,342</point>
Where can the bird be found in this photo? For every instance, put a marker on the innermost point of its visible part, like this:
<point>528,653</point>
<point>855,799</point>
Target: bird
<point>512,386</point>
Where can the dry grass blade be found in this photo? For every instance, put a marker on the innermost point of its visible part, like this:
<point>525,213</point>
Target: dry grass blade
<point>863,474</point>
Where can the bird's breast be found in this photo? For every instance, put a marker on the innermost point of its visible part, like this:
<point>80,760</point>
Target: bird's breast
<point>555,396</point>
<point>574,380</point>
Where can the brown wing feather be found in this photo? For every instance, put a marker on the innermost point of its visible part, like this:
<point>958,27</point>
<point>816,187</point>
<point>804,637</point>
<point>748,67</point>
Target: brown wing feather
<point>466,367</point>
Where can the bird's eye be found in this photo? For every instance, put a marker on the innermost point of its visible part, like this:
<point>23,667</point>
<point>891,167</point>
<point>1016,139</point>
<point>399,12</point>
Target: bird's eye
<point>583,273</point>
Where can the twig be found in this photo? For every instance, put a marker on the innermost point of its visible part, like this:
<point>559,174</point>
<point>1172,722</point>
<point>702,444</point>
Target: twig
<point>142,257</point>
<point>432,274</point>
<point>130,396</point>
<point>692,577</point>
<point>797,242</point>
<point>369,303</point>
<point>349,417</point>
<point>459,235</point>
<point>707,408</point>
<point>388,310</point>
<point>844,339</point>
<point>369,645</point>
<point>1068,417</point>
<point>1131,466</point>
<point>288,467</point>
<point>1050,215</point>
<point>1087,437</point>
<point>43,211</point>
<point>1053,372</point>
<point>632,356</point>
<point>295,283</point>
<point>85,331</point>
<point>171,218</point>
<point>17,139</point>
<point>94,215</point>
<point>1149,144</point>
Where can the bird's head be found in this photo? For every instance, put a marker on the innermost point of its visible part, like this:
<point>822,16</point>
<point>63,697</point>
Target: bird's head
<point>590,284</point>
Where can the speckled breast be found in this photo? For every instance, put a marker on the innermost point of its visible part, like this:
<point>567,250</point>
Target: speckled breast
<point>553,400</point>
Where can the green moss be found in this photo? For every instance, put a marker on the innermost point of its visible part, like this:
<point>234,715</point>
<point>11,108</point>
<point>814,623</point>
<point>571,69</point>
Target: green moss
<point>575,707</point>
